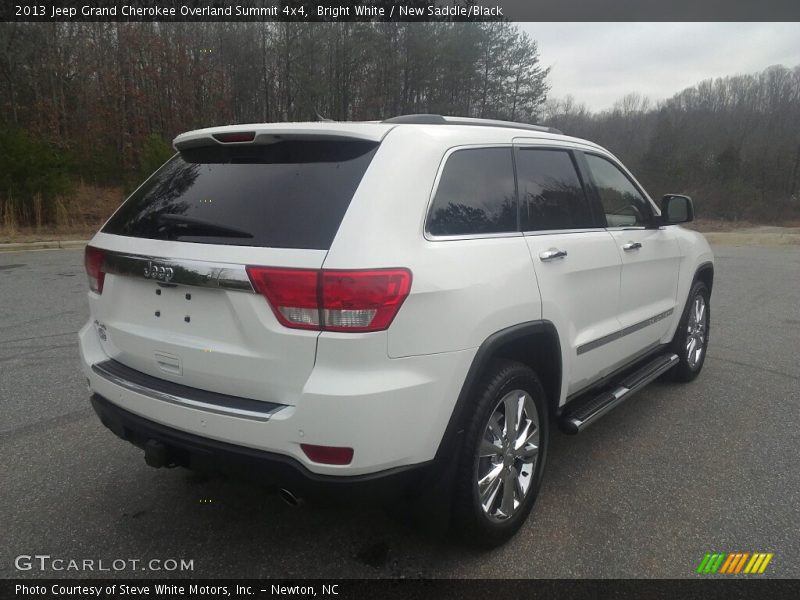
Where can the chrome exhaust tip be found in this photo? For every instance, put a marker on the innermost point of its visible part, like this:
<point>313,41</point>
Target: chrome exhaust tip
<point>289,498</point>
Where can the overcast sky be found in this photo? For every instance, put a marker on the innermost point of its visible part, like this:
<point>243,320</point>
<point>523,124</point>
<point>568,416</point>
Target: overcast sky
<point>600,62</point>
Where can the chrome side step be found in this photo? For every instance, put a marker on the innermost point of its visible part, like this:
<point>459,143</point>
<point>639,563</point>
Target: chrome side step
<point>576,419</point>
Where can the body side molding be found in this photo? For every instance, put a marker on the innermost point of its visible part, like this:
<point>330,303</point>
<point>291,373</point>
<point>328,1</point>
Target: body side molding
<point>606,339</point>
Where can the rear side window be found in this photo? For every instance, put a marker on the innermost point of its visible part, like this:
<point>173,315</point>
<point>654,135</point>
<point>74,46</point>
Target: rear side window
<point>475,194</point>
<point>550,192</point>
<point>291,194</point>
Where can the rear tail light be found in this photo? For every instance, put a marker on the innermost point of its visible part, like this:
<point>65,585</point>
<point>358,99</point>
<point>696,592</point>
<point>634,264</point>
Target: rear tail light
<point>292,293</point>
<point>328,455</point>
<point>362,300</point>
<point>332,300</point>
<point>93,261</point>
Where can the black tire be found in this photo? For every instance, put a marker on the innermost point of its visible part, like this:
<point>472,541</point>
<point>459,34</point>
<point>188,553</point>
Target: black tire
<point>471,519</point>
<point>686,370</point>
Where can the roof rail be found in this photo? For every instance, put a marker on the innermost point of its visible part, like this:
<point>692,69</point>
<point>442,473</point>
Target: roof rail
<point>425,119</point>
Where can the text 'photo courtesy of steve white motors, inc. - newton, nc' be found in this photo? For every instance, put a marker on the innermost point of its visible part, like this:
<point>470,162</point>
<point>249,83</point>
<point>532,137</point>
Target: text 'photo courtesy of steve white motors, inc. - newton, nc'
<point>237,10</point>
<point>192,590</point>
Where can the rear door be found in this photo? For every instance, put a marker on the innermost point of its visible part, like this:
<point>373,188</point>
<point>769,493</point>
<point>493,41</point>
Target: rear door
<point>576,261</point>
<point>650,255</point>
<point>177,302</point>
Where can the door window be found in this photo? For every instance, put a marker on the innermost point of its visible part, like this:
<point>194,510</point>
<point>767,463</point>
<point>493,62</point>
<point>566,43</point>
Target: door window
<point>550,192</point>
<point>622,203</point>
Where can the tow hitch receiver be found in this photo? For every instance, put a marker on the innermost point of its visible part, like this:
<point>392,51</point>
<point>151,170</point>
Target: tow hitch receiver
<point>156,455</point>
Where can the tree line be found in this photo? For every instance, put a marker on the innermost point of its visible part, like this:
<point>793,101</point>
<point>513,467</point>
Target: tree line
<point>733,143</point>
<point>100,103</point>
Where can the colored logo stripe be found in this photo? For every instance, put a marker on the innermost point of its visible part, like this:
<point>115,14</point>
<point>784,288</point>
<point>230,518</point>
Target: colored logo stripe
<point>710,563</point>
<point>728,562</point>
<point>758,563</point>
<point>734,562</point>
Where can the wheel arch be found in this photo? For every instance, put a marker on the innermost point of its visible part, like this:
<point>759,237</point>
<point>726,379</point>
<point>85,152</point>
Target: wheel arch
<point>705,273</point>
<point>533,343</point>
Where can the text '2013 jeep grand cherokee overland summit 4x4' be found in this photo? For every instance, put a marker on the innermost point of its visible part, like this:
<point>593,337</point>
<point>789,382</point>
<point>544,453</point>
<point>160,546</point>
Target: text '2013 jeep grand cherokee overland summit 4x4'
<point>343,305</point>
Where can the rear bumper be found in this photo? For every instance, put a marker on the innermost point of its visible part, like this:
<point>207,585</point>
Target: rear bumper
<point>392,412</point>
<point>179,448</point>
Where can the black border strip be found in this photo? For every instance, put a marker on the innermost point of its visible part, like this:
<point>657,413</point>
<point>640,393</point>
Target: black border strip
<point>402,10</point>
<point>705,587</point>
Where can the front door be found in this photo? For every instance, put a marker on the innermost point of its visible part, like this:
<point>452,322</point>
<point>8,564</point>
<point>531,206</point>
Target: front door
<point>650,257</point>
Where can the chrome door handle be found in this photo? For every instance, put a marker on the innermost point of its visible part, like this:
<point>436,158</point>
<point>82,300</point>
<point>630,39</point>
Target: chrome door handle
<point>552,254</point>
<point>631,246</point>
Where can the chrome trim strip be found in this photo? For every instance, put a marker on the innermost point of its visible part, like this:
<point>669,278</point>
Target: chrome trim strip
<point>538,232</point>
<point>536,141</point>
<point>167,271</point>
<point>184,402</point>
<point>471,236</point>
<point>533,233</point>
<point>606,339</point>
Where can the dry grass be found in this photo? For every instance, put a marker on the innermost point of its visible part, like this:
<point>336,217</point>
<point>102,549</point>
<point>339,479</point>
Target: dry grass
<point>719,225</point>
<point>745,233</point>
<point>711,225</point>
<point>76,217</point>
<point>757,236</point>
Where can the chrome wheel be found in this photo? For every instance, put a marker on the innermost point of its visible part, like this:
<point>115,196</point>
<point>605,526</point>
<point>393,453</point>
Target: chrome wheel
<point>697,329</point>
<point>507,456</point>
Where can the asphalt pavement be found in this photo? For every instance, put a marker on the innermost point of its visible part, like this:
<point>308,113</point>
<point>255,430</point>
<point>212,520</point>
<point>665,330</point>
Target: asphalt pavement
<point>676,472</point>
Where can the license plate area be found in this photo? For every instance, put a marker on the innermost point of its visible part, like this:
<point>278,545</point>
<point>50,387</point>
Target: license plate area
<point>174,303</point>
<point>170,314</point>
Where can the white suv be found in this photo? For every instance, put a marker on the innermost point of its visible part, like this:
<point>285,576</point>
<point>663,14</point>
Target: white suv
<point>353,305</point>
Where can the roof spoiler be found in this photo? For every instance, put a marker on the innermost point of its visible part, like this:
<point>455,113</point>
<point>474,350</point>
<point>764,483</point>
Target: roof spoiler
<point>239,135</point>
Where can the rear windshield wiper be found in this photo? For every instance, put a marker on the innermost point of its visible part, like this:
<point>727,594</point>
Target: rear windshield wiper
<point>183,225</point>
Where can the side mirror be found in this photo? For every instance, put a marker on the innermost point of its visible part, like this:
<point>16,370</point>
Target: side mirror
<point>676,208</point>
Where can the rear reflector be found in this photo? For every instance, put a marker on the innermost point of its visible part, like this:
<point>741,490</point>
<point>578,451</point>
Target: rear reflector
<point>328,455</point>
<point>238,136</point>
<point>93,261</point>
<point>332,300</point>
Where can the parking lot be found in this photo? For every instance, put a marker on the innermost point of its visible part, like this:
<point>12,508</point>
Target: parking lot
<point>678,471</point>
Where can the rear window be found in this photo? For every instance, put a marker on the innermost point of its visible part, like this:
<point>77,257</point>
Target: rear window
<point>290,194</point>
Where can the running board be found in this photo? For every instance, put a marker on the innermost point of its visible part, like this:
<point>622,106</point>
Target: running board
<point>576,419</point>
